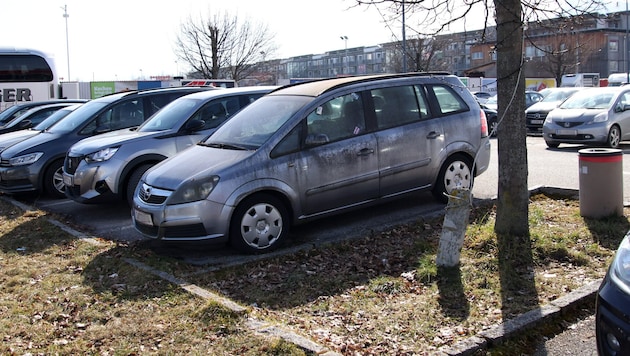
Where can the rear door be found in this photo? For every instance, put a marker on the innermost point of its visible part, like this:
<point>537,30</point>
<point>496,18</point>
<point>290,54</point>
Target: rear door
<point>409,139</point>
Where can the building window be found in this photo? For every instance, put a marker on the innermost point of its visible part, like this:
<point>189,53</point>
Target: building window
<point>613,66</point>
<point>477,55</point>
<point>613,45</point>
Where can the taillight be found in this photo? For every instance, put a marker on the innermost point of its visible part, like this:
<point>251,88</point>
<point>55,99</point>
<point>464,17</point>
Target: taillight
<point>484,124</point>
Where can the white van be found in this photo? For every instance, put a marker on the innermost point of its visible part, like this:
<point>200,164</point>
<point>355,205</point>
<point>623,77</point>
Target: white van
<point>618,79</point>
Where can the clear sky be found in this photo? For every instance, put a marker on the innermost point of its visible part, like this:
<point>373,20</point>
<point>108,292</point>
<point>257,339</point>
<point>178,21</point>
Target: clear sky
<point>121,40</point>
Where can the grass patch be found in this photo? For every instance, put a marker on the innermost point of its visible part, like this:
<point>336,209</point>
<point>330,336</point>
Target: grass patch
<point>381,294</point>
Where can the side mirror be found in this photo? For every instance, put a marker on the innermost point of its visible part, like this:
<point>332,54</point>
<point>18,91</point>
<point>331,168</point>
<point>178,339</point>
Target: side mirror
<point>194,125</point>
<point>25,124</point>
<point>316,139</point>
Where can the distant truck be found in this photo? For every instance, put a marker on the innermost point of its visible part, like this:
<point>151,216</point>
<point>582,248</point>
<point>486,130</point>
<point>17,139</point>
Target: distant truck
<point>580,80</point>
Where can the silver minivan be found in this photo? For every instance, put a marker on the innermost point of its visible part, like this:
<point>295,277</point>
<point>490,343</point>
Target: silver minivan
<point>314,149</point>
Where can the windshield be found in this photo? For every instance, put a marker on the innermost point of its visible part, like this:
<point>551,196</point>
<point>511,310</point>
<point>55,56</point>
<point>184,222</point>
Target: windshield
<point>11,113</point>
<point>52,119</point>
<point>170,115</point>
<point>558,95</point>
<point>589,99</point>
<point>78,117</point>
<point>256,123</point>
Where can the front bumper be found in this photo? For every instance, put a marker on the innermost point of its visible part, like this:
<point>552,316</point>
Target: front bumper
<point>200,220</point>
<point>612,321</point>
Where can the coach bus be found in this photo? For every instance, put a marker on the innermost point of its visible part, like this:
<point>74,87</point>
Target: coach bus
<point>26,75</point>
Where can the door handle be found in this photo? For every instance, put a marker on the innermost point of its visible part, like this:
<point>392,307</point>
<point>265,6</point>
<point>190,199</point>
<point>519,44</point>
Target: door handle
<point>433,135</point>
<point>365,152</point>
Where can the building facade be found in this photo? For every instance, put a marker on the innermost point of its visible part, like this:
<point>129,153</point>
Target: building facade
<point>593,43</point>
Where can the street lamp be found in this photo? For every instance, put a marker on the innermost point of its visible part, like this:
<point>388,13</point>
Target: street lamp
<point>345,39</point>
<point>65,15</point>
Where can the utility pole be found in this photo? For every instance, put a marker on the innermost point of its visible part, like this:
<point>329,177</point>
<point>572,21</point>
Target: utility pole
<point>65,15</point>
<point>345,39</point>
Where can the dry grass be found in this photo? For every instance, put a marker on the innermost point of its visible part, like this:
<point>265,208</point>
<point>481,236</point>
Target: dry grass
<point>381,294</point>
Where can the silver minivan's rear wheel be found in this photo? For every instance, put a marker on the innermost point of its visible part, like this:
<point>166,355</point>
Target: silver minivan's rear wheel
<point>259,224</point>
<point>456,172</point>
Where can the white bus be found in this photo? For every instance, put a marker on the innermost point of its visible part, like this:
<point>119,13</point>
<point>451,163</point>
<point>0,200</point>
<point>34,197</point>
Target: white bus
<point>26,75</point>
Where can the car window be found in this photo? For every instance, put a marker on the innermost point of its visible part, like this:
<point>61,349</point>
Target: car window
<point>212,114</point>
<point>448,101</point>
<point>125,114</point>
<point>256,123</point>
<point>337,119</point>
<point>398,105</point>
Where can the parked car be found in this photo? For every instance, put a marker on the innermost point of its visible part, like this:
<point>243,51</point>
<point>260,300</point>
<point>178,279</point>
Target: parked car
<point>314,149</point>
<point>35,164</point>
<point>108,167</point>
<point>492,118</point>
<point>593,116</point>
<point>13,137</point>
<point>531,97</point>
<point>14,111</point>
<point>535,115</point>
<point>612,307</point>
<point>482,96</point>
<point>32,117</point>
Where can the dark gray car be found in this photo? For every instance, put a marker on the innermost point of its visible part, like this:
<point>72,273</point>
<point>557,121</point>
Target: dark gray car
<point>35,164</point>
<point>108,167</point>
<point>315,149</point>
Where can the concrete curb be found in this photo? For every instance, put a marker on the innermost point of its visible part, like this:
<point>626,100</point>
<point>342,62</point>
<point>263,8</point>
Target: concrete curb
<point>527,321</point>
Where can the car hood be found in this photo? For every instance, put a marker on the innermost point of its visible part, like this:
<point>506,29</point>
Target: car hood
<point>543,106</point>
<point>574,114</point>
<point>110,139</point>
<point>39,142</point>
<point>196,162</point>
<point>11,138</point>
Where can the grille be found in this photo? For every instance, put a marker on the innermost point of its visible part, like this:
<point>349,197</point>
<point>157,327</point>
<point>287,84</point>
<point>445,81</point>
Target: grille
<point>151,196</point>
<point>567,124</point>
<point>71,163</point>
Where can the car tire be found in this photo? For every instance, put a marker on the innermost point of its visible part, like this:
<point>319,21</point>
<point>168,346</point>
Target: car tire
<point>133,181</point>
<point>53,180</point>
<point>260,224</point>
<point>552,144</point>
<point>493,126</point>
<point>614,137</point>
<point>455,172</point>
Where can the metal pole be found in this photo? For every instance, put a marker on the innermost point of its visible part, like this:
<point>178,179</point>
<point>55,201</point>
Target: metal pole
<point>345,39</point>
<point>65,15</point>
<point>625,45</point>
<point>404,40</point>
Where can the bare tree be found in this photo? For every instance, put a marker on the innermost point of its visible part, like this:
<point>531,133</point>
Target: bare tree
<point>423,54</point>
<point>222,46</point>
<point>511,16</point>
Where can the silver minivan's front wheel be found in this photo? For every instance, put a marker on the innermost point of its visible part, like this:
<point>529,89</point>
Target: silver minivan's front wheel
<point>456,172</point>
<point>259,224</point>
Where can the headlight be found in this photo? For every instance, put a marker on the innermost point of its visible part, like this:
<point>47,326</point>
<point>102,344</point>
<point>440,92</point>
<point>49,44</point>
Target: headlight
<point>102,155</point>
<point>620,267</point>
<point>193,190</point>
<point>601,117</point>
<point>25,159</point>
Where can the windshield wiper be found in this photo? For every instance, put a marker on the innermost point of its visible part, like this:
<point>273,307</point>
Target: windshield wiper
<point>223,146</point>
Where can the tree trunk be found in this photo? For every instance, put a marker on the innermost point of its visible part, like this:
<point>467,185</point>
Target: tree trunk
<point>513,194</point>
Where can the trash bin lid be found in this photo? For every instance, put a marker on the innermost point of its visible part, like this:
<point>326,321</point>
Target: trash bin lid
<point>600,154</point>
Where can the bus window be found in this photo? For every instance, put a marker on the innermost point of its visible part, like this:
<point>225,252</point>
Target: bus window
<point>26,75</point>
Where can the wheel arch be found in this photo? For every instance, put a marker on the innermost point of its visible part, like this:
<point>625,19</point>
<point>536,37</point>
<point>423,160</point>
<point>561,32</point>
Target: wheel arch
<point>152,159</point>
